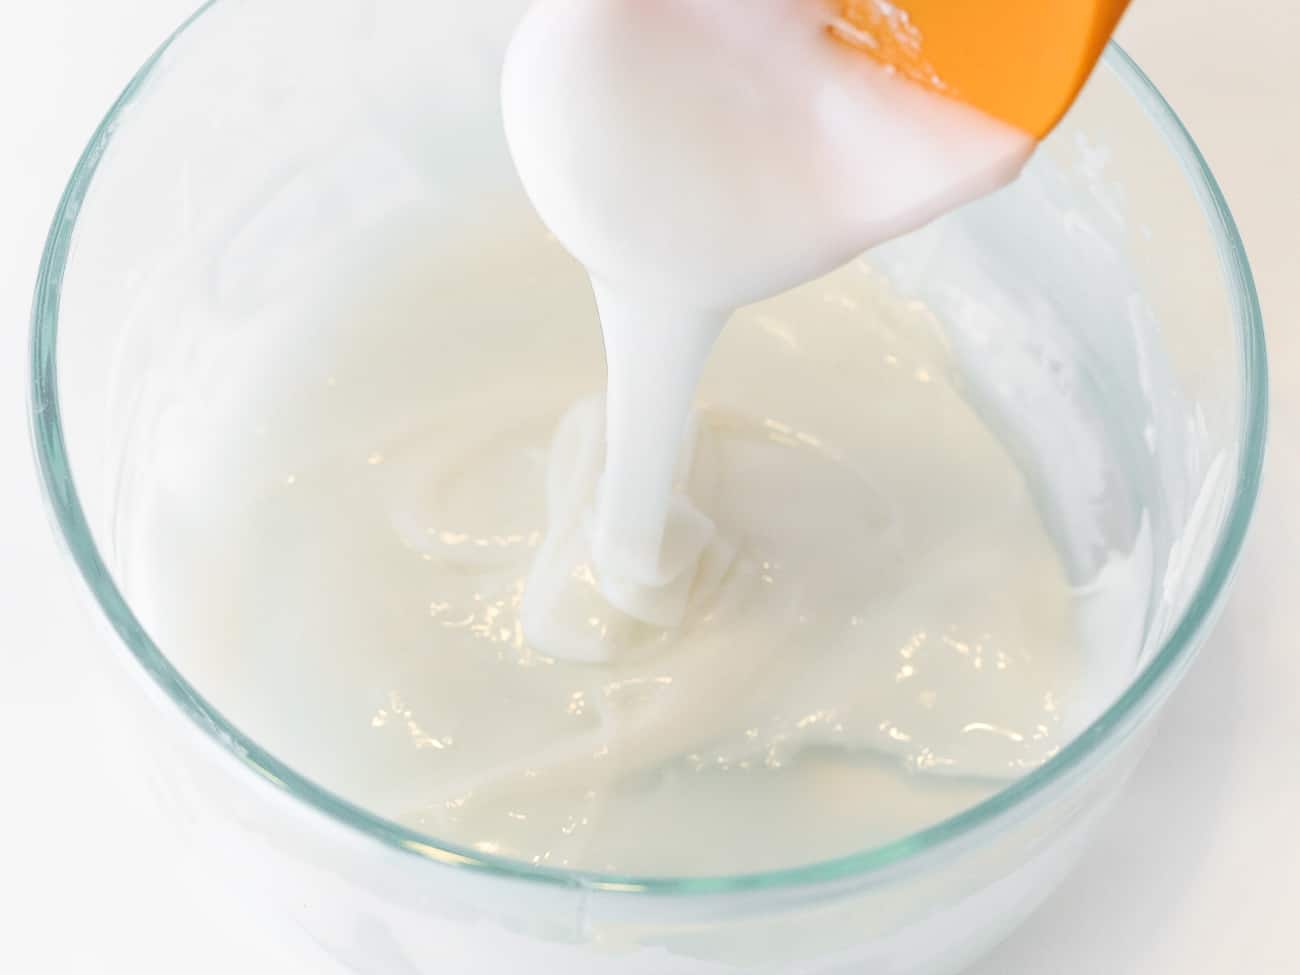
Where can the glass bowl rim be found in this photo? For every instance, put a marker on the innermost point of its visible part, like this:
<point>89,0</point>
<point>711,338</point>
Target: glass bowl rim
<point>63,503</point>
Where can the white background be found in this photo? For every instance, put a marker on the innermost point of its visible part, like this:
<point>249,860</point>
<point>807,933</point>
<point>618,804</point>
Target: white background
<point>1197,872</point>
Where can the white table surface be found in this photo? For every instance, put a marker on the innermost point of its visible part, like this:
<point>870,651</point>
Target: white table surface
<point>1197,872</point>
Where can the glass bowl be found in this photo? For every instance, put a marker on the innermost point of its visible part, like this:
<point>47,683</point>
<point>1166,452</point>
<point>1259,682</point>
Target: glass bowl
<point>218,126</point>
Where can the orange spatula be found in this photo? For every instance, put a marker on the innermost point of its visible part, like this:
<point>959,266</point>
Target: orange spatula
<point>1021,61</point>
